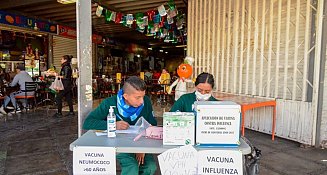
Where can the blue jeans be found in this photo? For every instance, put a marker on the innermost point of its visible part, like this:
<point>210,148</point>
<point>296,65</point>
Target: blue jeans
<point>13,99</point>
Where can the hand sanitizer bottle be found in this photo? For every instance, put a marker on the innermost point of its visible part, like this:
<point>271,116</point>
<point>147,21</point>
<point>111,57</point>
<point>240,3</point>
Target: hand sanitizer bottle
<point>111,123</point>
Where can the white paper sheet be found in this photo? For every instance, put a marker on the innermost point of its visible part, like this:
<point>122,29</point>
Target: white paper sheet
<point>130,130</point>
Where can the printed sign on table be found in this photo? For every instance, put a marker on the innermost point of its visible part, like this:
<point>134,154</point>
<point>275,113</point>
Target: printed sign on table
<point>220,162</point>
<point>218,125</point>
<point>180,161</point>
<point>94,160</point>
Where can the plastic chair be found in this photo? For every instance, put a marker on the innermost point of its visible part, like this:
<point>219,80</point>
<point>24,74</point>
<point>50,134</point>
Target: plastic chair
<point>29,87</point>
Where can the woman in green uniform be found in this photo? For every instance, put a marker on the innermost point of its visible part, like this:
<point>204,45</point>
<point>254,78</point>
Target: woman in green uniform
<point>131,103</point>
<point>204,84</point>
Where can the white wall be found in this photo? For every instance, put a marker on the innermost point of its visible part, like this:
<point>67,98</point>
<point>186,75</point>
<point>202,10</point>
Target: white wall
<point>259,48</point>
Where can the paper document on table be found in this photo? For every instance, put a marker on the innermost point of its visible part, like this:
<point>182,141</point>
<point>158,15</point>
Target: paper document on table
<point>130,130</point>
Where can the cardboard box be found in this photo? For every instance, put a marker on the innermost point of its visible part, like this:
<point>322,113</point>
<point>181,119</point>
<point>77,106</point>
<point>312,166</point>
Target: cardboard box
<point>217,123</point>
<point>178,128</point>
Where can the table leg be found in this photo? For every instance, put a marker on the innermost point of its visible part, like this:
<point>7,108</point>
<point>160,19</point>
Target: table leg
<point>243,118</point>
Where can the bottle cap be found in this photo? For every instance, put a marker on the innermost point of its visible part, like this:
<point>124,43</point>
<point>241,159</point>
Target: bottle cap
<point>111,109</point>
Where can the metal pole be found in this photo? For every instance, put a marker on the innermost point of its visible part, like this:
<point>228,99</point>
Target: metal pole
<point>50,51</point>
<point>84,57</point>
<point>322,76</point>
<point>317,69</point>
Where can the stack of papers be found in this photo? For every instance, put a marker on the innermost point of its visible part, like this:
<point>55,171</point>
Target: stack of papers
<point>130,130</point>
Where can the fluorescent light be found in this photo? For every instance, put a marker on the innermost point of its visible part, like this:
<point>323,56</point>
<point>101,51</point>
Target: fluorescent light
<point>150,48</point>
<point>66,1</point>
<point>138,55</point>
<point>160,50</point>
<point>166,52</point>
<point>181,46</point>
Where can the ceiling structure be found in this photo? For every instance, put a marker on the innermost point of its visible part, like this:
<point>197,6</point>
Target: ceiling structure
<point>66,14</point>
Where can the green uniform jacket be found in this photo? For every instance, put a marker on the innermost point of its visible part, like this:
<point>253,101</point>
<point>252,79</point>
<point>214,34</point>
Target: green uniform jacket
<point>97,119</point>
<point>185,103</point>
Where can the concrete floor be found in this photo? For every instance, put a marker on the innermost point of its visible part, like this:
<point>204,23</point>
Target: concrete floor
<point>35,143</point>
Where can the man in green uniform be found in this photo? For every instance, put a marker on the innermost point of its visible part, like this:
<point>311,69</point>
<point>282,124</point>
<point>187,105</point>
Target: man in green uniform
<point>131,103</point>
<point>204,84</point>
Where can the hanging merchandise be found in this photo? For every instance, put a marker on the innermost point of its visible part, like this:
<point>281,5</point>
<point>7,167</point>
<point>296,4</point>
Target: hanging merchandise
<point>151,13</point>
<point>171,13</point>
<point>156,27</point>
<point>124,21</point>
<point>99,11</point>
<point>161,33</point>
<point>139,20</point>
<point>171,5</point>
<point>113,16</point>
<point>170,20</point>
<point>157,19</point>
<point>179,23</point>
<point>145,20</point>
<point>150,25</point>
<point>162,10</point>
<point>129,19</point>
<point>107,16</point>
<point>118,17</point>
<point>162,22</point>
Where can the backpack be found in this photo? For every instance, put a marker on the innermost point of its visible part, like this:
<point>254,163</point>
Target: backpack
<point>251,164</point>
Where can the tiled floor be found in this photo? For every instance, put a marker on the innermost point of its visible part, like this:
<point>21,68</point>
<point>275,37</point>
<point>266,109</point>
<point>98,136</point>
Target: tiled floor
<point>35,143</point>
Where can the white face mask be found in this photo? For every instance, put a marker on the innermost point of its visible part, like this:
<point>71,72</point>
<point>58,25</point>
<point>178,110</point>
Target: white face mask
<point>202,97</point>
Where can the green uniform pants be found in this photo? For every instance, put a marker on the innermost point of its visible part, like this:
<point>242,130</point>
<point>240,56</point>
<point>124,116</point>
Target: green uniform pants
<point>130,166</point>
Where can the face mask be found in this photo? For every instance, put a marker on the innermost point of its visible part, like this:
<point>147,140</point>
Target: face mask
<point>202,97</point>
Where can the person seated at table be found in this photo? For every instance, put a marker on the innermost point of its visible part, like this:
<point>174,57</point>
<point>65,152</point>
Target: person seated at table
<point>164,77</point>
<point>204,84</point>
<point>20,78</point>
<point>131,103</point>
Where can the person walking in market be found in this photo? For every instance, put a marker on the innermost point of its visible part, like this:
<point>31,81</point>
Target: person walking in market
<point>66,78</point>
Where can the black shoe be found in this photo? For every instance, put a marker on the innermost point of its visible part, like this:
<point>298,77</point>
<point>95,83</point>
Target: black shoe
<point>70,114</point>
<point>57,115</point>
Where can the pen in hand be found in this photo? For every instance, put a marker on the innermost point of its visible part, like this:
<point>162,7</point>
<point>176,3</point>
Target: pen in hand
<point>121,124</point>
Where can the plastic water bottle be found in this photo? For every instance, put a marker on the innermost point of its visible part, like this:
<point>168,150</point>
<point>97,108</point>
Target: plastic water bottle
<point>111,122</point>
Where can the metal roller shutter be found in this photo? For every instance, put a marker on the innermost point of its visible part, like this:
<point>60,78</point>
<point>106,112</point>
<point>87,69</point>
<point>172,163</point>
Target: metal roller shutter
<point>63,46</point>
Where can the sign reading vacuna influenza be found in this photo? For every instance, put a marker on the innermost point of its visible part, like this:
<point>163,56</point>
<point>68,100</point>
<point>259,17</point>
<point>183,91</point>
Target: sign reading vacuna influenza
<point>26,22</point>
<point>94,160</point>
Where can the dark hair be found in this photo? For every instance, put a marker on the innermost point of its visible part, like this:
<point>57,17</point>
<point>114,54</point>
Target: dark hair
<point>68,58</point>
<point>135,82</point>
<point>205,77</point>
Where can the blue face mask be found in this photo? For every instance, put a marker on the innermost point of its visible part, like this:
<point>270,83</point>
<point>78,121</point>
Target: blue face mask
<point>202,97</point>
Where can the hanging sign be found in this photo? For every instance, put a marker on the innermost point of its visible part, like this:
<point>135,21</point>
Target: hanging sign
<point>220,162</point>
<point>94,160</point>
<point>70,32</point>
<point>26,22</point>
<point>178,161</point>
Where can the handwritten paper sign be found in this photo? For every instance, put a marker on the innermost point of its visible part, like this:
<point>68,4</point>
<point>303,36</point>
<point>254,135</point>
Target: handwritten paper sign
<point>181,161</point>
<point>218,124</point>
<point>220,162</point>
<point>94,160</point>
